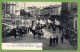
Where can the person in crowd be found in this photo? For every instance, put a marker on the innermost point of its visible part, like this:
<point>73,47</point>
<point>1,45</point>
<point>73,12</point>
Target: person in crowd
<point>23,31</point>
<point>17,30</point>
<point>9,32</point>
<point>20,31</point>
<point>64,31</point>
<point>42,34</point>
<point>59,27</point>
<point>41,27</point>
<point>32,22</point>
<point>34,33</point>
<point>39,34</point>
<point>28,29</point>
<point>62,39</point>
<point>53,27</point>
<point>48,26</point>
<point>38,23</point>
<point>56,39</point>
<point>14,32</point>
<point>51,41</point>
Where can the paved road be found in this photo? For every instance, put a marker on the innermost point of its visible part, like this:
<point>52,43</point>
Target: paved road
<point>27,38</point>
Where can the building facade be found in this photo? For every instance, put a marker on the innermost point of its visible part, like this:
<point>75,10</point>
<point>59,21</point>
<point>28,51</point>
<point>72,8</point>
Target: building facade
<point>69,13</point>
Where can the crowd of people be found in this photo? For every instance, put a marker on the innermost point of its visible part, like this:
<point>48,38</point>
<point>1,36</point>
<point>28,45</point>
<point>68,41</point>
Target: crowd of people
<point>18,31</point>
<point>22,30</point>
<point>36,30</point>
<point>54,40</point>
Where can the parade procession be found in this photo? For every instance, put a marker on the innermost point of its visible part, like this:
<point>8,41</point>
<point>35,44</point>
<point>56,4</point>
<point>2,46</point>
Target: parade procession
<point>53,24</point>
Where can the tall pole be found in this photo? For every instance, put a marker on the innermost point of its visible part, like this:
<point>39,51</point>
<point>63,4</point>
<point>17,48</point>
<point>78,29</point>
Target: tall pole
<point>5,10</point>
<point>24,16</point>
<point>12,12</point>
<point>9,7</point>
<point>24,5</point>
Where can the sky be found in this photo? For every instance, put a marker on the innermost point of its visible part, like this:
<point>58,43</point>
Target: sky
<point>20,5</point>
<point>37,4</point>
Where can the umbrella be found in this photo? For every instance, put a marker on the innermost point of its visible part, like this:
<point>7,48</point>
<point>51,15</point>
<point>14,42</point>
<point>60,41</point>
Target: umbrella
<point>42,22</point>
<point>49,21</point>
<point>57,22</point>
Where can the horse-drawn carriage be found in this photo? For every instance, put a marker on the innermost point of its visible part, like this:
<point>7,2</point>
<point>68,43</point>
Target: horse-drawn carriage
<point>37,32</point>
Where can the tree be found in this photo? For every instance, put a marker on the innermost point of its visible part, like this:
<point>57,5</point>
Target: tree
<point>22,12</point>
<point>28,13</point>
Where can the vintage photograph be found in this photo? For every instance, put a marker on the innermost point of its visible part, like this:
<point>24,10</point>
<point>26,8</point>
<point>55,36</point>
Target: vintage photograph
<point>54,24</point>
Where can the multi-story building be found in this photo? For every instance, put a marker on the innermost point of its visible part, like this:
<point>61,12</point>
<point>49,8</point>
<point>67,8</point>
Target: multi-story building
<point>69,13</point>
<point>51,11</point>
<point>8,7</point>
<point>69,10</point>
<point>74,14</point>
<point>8,10</point>
<point>9,13</point>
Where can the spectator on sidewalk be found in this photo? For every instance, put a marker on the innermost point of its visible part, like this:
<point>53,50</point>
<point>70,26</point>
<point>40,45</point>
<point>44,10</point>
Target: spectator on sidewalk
<point>51,41</point>
<point>54,38</point>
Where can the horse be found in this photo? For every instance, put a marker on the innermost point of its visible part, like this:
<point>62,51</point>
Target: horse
<point>36,32</point>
